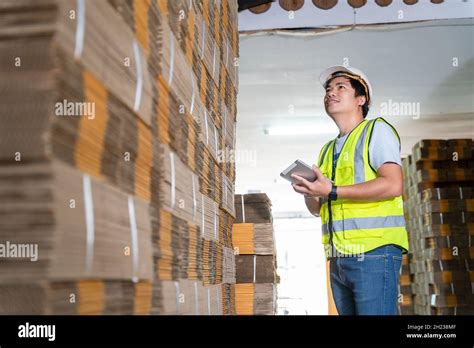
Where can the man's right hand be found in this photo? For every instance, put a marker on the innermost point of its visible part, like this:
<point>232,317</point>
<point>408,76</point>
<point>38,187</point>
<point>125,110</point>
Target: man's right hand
<point>313,204</point>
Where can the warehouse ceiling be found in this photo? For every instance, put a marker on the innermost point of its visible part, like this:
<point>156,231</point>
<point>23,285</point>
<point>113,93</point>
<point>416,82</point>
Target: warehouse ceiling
<point>262,6</point>
<point>422,76</point>
<point>298,14</point>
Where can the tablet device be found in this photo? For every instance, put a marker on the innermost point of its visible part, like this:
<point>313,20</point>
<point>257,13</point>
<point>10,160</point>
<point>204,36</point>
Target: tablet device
<point>299,168</point>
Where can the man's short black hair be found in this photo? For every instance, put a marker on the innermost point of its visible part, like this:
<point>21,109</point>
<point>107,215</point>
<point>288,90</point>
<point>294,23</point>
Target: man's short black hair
<point>359,91</point>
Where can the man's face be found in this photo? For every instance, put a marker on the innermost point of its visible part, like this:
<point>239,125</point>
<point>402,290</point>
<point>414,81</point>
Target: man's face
<point>340,97</point>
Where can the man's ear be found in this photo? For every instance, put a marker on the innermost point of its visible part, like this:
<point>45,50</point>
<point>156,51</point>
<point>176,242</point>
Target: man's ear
<point>362,99</point>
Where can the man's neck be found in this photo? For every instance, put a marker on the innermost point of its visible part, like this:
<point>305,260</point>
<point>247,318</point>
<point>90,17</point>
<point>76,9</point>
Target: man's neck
<point>347,124</point>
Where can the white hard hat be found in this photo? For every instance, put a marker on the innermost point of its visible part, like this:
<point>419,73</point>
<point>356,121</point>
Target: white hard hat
<point>352,72</point>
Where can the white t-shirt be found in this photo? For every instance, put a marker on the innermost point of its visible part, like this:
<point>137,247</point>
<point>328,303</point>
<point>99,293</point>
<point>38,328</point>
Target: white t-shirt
<point>383,146</point>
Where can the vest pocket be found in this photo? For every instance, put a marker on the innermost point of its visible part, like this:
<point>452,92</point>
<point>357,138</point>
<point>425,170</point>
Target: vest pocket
<point>345,174</point>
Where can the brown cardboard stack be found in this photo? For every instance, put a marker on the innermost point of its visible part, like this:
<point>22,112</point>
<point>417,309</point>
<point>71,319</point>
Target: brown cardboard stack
<point>405,291</point>
<point>255,255</point>
<point>87,297</point>
<point>116,118</point>
<point>439,176</point>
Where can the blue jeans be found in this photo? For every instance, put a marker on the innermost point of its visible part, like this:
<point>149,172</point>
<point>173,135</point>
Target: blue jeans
<point>367,284</point>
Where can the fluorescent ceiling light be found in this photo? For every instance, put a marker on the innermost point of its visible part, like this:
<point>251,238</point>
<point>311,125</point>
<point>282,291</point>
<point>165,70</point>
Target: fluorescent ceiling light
<point>302,129</point>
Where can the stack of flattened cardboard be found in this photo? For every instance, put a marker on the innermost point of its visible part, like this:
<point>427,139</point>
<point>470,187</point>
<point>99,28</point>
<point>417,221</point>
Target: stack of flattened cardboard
<point>112,150</point>
<point>439,176</point>
<point>255,258</point>
<point>89,297</point>
<point>405,304</point>
<point>65,228</point>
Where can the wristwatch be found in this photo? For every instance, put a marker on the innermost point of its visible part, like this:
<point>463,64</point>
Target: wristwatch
<point>333,194</point>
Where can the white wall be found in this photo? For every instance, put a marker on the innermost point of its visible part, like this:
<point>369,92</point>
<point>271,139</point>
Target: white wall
<point>301,266</point>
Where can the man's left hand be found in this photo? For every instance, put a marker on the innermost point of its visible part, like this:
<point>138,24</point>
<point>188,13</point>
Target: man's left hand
<point>321,187</point>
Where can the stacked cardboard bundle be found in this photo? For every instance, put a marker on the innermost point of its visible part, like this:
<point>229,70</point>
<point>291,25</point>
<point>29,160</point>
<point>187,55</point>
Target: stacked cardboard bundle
<point>88,297</point>
<point>405,292</point>
<point>229,299</point>
<point>255,299</point>
<point>439,208</point>
<point>190,297</point>
<point>120,175</point>
<point>255,255</point>
<point>215,123</point>
<point>68,229</point>
<point>255,269</point>
<point>63,213</point>
<point>253,208</point>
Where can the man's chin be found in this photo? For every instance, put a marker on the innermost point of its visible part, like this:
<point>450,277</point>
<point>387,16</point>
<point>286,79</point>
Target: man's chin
<point>332,112</point>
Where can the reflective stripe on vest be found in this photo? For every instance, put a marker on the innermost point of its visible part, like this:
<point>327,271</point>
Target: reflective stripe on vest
<point>369,222</point>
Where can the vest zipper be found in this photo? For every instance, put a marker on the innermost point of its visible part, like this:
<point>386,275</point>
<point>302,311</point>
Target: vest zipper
<point>333,177</point>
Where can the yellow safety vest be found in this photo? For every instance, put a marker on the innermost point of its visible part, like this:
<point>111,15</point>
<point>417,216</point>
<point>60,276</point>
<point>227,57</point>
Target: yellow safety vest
<point>359,226</point>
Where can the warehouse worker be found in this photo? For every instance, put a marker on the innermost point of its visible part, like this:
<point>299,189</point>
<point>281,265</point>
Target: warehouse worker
<point>357,193</point>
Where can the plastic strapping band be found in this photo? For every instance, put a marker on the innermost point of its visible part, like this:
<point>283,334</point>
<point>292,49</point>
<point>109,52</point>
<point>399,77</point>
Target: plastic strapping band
<point>234,133</point>
<point>232,198</point>
<point>139,88</point>
<point>176,285</point>
<point>170,77</point>
<point>196,304</point>
<point>441,217</point>
<point>215,140</point>
<point>190,4</point>
<point>214,61</point>
<point>243,209</point>
<point>441,268</point>
<point>134,232</point>
<point>463,217</point>
<point>173,180</point>
<point>235,69</point>
<point>470,240</point>
<point>460,193</point>
<point>207,130</point>
<point>224,112</point>
<point>203,37</point>
<point>194,196</point>
<point>254,268</point>
<point>80,28</point>
<point>449,243</point>
<point>227,53</point>
<point>438,193</point>
<point>452,288</point>
<point>202,220</point>
<point>191,108</point>
<point>224,187</point>
<point>89,210</point>
<point>208,301</point>
<point>215,221</point>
